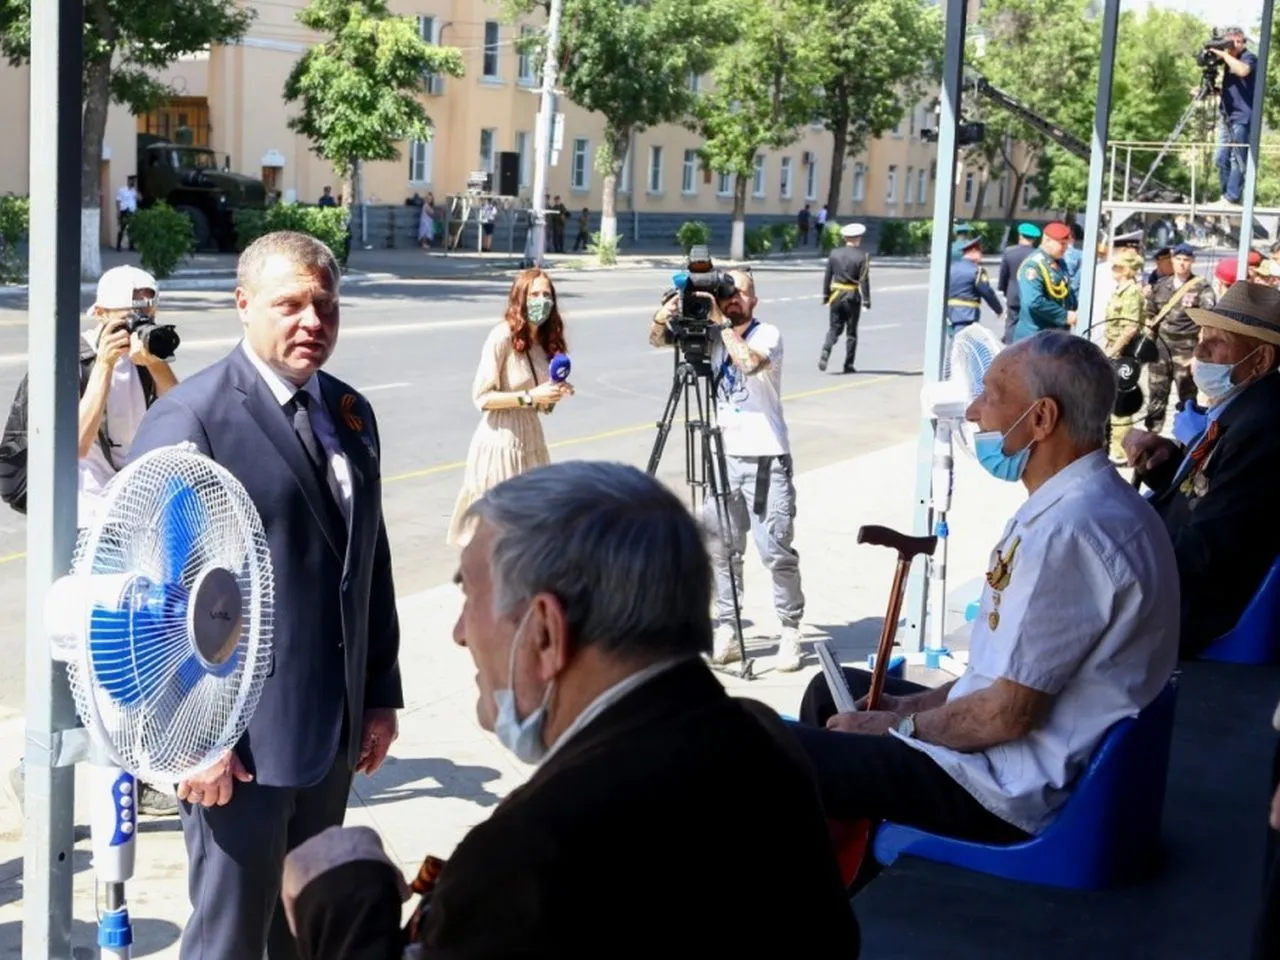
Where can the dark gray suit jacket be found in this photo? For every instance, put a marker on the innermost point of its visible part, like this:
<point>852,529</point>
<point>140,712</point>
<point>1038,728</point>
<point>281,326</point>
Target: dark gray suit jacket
<point>336,636</point>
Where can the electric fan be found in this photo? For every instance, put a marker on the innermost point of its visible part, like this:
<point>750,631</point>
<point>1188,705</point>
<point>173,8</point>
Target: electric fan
<point>973,348</point>
<point>164,626</point>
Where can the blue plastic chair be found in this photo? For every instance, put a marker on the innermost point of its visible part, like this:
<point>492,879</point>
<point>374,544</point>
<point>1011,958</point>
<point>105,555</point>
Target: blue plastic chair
<point>1104,834</point>
<point>1255,639</point>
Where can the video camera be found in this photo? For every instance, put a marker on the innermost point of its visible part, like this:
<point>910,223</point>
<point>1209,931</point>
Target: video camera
<point>160,339</point>
<point>1205,59</point>
<point>697,286</point>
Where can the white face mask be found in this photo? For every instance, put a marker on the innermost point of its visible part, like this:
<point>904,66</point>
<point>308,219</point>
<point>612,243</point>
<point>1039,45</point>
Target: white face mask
<point>1214,379</point>
<point>522,737</point>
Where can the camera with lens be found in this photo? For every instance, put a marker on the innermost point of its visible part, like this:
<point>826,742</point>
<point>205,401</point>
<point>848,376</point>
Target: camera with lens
<point>1205,58</point>
<point>161,340</point>
<point>700,284</point>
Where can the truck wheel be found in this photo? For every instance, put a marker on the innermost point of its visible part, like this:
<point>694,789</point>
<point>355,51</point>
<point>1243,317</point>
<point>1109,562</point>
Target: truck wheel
<point>199,226</point>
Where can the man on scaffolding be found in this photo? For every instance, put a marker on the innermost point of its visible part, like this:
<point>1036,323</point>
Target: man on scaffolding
<point>1236,109</point>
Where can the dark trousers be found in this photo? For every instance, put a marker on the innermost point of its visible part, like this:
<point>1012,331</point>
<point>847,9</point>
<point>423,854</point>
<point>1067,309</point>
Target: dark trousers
<point>844,320</point>
<point>1266,935</point>
<point>125,219</point>
<point>235,857</point>
<point>879,778</point>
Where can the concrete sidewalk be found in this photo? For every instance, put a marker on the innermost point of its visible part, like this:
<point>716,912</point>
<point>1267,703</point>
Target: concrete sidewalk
<point>446,774</point>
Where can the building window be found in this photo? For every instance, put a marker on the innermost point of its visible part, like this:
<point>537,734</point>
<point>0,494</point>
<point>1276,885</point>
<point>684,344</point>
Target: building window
<point>429,32</point>
<point>420,161</point>
<point>695,82</point>
<point>911,129</point>
<point>891,189</point>
<point>655,169</point>
<point>724,185</point>
<point>910,188</point>
<point>486,149</point>
<point>1000,194</point>
<point>897,128</point>
<point>578,170</point>
<point>968,189</point>
<point>859,183</point>
<point>688,176</point>
<point>491,49</point>
<point>922,188</point>
<point>757,179</point>
<point>525,71</point>
<point>526,158</point>
<point>624,174</point>
<point>811,179</point>
<point>786,178</point>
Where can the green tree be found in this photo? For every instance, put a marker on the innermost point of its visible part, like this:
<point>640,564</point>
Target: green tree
<point>880,56</point>
<point>764,92</point>
<point>125,43</point>
<point>360,90</point>
<point>632,64</point>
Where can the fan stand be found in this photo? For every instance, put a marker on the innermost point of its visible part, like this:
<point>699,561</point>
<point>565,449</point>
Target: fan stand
<point>113,828</point>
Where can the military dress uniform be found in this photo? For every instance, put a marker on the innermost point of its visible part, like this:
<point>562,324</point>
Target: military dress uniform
<point>1045,295</point>
<point>1179,333</point>
<point>846,289</point>
<point>1007,280</point>
<point>967,287</point>
<point>1125,316</point>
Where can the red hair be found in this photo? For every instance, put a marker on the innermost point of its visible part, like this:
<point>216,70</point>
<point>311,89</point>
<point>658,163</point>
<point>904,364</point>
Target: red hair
<point>550,332</point>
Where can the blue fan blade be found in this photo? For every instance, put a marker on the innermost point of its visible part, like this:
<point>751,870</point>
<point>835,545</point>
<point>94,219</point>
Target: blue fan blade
<point>129,646</point>
<point>187,676</point>
<point>181,520</point>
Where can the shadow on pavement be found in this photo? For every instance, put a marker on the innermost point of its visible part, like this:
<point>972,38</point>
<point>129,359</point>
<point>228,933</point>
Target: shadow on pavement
<point>393,782</point>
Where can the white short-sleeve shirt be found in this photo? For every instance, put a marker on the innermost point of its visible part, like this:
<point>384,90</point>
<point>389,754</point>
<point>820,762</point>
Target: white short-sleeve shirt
<point>1087,612</point>
<point>749,406</point>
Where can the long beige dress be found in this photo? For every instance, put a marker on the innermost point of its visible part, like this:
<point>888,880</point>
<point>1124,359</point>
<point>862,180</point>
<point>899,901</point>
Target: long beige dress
<point>508,441</point>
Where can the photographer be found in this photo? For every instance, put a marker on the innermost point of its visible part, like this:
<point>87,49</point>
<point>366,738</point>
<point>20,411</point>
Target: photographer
<point>1236,108</point>
<point>746,360</point>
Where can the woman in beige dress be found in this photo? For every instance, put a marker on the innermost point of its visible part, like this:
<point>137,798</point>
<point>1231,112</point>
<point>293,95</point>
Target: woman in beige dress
<point>512,388</point>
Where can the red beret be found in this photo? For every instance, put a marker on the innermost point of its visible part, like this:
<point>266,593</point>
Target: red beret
<point>1058,231</point>
<point>1255,258</point>
<point>1226,271</point>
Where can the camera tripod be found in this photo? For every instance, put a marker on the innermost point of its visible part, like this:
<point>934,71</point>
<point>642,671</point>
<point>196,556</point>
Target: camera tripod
<point>706,470</point>
<point>1208,88</point>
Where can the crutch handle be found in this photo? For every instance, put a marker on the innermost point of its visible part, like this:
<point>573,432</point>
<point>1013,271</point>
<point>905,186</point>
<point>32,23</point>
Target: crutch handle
<point>907,547</point>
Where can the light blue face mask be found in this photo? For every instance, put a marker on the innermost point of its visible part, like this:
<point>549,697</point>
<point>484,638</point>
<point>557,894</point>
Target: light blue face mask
<point>1214,379</point>
<point>522,737</point>
<point>538,308</point>
<point>989,449</point>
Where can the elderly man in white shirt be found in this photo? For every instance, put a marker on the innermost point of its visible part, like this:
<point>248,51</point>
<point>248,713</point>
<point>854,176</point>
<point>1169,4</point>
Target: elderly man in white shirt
<point>1078,626</point>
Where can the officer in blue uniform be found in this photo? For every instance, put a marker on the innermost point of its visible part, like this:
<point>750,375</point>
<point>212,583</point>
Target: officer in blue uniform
<point>961,231</point>
<point>968,285</point>
<point>1047,301</point>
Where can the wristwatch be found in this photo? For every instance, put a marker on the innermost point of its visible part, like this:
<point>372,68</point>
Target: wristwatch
<point>526,399</point>
<point>906,727</point>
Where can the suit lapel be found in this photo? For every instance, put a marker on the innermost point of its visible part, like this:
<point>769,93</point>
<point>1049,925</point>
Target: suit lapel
<point>269,416</point>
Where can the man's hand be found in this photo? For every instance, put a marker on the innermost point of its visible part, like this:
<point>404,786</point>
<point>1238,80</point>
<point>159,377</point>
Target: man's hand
<point>113,342</point>
<point>1071,319</point>
<point>140,355</point>
<point>213,787</point>
<point>871,722</point>
<point>380,731</point>
<point>1147,451</point>
<point>888,702</point>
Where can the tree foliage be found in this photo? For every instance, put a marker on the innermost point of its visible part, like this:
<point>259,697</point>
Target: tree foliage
<point>359,91</point>
<point>880,55</point>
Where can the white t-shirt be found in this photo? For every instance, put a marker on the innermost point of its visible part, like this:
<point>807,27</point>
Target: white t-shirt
<point>127,200</point>
<point>126,406</point>
<point>1087,613</point>
<point>749,408</point>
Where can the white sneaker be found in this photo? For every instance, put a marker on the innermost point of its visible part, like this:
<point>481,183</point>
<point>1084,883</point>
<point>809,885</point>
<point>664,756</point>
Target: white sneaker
<point>724,649</point>
<point>788,657</point>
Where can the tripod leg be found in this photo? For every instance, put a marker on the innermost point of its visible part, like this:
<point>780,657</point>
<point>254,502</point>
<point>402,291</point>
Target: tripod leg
<point>664,424</point>
<point>717,468</point>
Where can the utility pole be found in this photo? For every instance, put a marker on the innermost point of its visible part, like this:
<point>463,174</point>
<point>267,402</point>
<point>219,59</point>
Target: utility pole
<point>544,134</point>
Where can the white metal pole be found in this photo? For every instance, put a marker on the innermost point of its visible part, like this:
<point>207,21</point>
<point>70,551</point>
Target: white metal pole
<point>543,134</point>
<point>53,325</point>
<point>1097,163</point>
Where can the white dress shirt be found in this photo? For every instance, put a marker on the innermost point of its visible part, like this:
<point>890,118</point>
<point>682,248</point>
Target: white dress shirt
<point>1089,614</point>
<point>127,200</point>
<point>339,472</point>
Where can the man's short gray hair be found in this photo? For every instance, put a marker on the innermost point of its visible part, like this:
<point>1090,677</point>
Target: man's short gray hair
<point>1077,374</point>
<point>302,249</point>
<point>617,548</point>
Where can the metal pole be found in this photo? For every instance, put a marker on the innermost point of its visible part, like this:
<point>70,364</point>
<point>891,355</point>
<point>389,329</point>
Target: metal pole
<point>53,325</point>
<point>543,135</point>
<point>1255,139</point>
<point>1097,162</point>
<point>935,319</point>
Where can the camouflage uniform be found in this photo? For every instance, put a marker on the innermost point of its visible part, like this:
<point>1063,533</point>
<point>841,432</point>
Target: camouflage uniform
<point>1126,312</point>
<point>1180,334</point>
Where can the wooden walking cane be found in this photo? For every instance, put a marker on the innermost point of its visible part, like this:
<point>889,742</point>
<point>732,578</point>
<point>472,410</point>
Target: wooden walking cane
<point>908,549</point>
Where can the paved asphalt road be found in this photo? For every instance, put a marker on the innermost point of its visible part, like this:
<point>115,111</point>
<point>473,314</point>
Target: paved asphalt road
<point>412,347</point>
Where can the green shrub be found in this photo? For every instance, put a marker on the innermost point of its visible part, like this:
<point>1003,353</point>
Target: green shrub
<point>15,219</point>
<point>830,237</point>
<point>164,238</point>
<point>692,233</point>
<point>786,235</point>
<point>759,241</point>
<point>327,224</point>
<point>606,251</point>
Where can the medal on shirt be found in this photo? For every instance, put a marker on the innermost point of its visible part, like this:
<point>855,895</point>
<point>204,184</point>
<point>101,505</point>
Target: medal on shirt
<point>998,579</point>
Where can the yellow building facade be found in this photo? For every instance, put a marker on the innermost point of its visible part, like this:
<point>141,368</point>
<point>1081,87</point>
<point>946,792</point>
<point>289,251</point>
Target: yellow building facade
<point>230,99</point>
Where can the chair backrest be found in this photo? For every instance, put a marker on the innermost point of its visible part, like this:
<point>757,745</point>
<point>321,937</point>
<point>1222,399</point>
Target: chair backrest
<point>1256,636</point>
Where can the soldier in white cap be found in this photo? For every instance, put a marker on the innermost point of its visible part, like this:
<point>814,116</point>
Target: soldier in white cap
<point>846,289</point>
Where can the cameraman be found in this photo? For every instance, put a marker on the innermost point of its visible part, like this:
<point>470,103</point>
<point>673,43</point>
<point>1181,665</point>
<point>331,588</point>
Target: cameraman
<point>746,360</point>
<point>1236,107</point>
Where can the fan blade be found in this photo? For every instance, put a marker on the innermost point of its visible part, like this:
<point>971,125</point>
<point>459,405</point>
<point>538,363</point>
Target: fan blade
<point>132,646</point>
<point>182,518</point>
<point>188,676</point>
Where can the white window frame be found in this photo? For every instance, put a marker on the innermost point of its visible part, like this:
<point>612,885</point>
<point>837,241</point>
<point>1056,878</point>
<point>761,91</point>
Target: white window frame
<point>624,174</point>
<point>420,161</point>
<point>811,181</point>
<point>429,31</point>
<point>909,197</point>
<point>695,82</point>
<point>489,134</point>
<point>922,186</point>
<point>491,52</point>
<point>891,184</point>
<point>524,68</point>
<point>970,181</point>
<point>689,174</point>
<point>724,185</point>
<point>524,143</point>
<point>655,168</point>
<point>859,182</point>
<point>580,165</point>
<point>1000,192</point>
<point>1026,195</point>
<point>759,175</point>
<point>788,180</point>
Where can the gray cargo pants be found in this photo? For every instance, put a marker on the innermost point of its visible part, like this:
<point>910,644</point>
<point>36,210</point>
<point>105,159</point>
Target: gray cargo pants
<point>762,497</point>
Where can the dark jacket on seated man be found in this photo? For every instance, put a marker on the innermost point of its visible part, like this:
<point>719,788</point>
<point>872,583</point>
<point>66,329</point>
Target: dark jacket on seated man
<point>1219,505</point>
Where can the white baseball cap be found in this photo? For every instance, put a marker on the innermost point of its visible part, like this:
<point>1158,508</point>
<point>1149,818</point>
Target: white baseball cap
<point>116,286</point>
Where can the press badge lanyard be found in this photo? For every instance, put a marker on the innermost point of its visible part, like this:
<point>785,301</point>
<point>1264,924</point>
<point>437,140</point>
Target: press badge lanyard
<point>726,365</point>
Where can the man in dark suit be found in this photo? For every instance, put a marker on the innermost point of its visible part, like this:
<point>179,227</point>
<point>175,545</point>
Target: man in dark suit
<point>1217,495</point>
<point>661,808</point>
<point>305,446</point>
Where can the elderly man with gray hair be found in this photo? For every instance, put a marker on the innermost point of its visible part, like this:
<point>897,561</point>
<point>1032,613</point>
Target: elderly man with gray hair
<point>1078,626</point>
<point>658,803</point>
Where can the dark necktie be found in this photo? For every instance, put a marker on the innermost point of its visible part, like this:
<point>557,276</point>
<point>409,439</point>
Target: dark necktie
<point>299,410</point>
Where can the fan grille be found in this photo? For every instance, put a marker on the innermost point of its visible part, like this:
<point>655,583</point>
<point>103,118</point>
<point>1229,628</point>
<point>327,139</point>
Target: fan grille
<point>171,518</point>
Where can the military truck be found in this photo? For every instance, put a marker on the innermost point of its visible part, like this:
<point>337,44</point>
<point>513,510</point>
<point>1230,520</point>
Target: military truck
<point>191,180</point>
